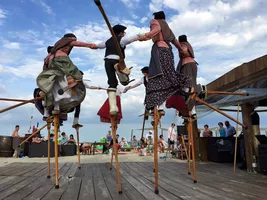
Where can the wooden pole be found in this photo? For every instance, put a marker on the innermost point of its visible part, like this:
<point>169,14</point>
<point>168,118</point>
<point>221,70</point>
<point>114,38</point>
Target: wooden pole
<point>56,126</point>
<point>15,100</point>
<point>78,144</point>
<point>210,92</point>
<point>156,121</point>
<point>48,148</point>
<point>144,122</point>
<point>219,111</point>
<point>21,104</point>
<point>236,136</point>
<point>183,143</point>
<point>189,148</point>
<point>193,149</point>
<point>115,149</point>
<point>34,133</point>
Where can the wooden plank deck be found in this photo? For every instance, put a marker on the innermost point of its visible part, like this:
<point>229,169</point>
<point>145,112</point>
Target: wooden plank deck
<point>94,181</point>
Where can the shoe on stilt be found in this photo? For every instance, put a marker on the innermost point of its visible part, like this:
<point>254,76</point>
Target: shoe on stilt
<point>76,123</point>
<point>161,113</point>
<point>113,108</point>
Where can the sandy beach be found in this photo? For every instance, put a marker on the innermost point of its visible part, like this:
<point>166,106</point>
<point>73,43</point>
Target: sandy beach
<point>98,158</point>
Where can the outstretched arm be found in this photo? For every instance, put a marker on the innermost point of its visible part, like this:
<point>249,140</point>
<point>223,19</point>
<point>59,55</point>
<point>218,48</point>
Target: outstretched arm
<point>134,86</point>
<point>81,44</point>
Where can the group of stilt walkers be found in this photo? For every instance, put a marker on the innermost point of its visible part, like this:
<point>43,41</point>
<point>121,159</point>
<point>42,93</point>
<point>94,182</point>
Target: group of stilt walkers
<point>62,87</point>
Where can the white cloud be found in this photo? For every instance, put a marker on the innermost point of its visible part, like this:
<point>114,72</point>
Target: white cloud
<point>11,45</point>
<point>144,19</point>
<point>45,6</point>
<point>130,3</point>
<point>3,14</point>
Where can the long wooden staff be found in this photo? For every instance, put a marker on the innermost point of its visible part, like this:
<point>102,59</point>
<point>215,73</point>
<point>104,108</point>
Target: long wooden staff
<point>117,45</point>
<point>15,100</point>
<point>21,104</point>
<point>236,137</point>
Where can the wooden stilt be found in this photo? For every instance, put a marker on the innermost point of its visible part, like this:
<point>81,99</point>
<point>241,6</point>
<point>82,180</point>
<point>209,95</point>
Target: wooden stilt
<point>144,122</point>
<point>236,136</point>
<point>56,126</point>
<point>77,126</point>
<point>189,149</point>
<point>184,146</point>
<point>48,147</point>
<point>156,121</point>
<point>115,149</point>
<point>193,149</point>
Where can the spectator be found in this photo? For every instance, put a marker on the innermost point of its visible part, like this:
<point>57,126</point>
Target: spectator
<point>222,130</point>
<point>117,142</point>
<point>123,142</point>
<point>36,140</point>
<point>64,138</point>
<point>207,132</point>
<point>230,130</point>
<point>171,137</point>
<point>143,150</point>
<point>71,140</point>
<point>149,140</point>
<point>109,137</point>
<point>161,144</point>
<point>134,144</point>
<point>16,142</point>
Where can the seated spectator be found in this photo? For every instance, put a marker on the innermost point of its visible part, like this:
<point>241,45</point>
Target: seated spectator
<point>222,130</point>
<point>64,138</point>
<point>117,142</point>
<point>85,147</point>
<point>134,144</point>
<point>52,137</point>
<point>109,137</point>
<point>161,144</point>
<point>36,140</point>
<point>207,132</point>
<point>143,150</point>
<point>71,140</point>
<point>149,140</point>
<point>123,142</point>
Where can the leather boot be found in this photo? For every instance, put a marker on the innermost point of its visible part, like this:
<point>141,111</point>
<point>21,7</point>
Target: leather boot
<point>113,109</point>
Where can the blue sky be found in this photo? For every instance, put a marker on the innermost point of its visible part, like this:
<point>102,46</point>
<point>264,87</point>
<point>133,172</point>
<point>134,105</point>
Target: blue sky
<point>223,33</point>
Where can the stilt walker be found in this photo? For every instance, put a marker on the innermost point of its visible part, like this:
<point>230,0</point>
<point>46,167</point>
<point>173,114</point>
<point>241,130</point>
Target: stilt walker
<point>56,127</point>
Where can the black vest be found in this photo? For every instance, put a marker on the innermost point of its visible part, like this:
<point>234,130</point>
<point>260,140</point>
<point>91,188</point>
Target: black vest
<point>111,48</point>
<point>145,81</point>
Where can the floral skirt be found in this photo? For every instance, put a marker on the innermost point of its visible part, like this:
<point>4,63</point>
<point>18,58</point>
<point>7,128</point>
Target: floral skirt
<point>160,88</point>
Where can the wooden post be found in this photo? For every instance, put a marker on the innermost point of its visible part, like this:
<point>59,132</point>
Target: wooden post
<point>156,121</point>
<point>193,149</point>
<point>115,149</point>
<point>189,148</point>
<point>248,135</point>
<point>144,122</point>
<point>56,126</point>
<point>48,147</point>
<point>78,144</point>
<point>236,136</point>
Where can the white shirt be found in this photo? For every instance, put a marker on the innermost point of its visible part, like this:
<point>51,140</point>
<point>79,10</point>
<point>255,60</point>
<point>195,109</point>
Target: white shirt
<point>141,81</point>
<point>171,134</point>
<point>124,41</point>
<point>119,90</point>
<point>149,137</point>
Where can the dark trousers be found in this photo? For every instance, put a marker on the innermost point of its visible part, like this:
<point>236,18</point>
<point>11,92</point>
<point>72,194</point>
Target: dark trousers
<point>77,111</point>
<point>111,72</point>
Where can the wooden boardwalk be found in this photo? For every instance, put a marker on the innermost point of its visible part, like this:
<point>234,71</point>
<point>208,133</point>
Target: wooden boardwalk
<point>94,181</point>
